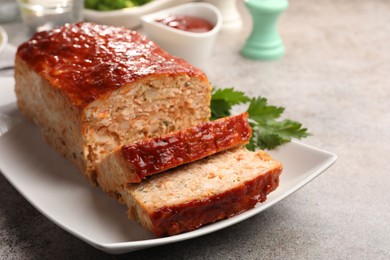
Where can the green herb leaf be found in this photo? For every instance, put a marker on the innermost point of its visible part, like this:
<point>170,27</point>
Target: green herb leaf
<point>260,111</point>
<point>268,131</point>
<point>109,5</point>
<point>223,100</point>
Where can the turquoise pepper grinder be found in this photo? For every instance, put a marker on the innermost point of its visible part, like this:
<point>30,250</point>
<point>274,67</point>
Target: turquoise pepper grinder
<point>264,42</point>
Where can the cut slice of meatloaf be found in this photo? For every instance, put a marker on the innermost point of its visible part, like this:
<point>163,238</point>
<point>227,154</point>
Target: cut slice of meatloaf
<point>92,88</point>
<point>133,163</point>
<point>205,191</point>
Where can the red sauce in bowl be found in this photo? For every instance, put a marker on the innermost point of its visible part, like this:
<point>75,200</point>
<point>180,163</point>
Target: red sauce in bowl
<point>186,23</point>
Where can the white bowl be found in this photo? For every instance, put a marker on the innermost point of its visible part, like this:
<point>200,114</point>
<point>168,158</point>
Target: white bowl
<point>128,17</point>
<point>194,47</point>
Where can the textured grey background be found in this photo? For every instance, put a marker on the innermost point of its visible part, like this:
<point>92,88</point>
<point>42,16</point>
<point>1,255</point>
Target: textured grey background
<point>335,79</point>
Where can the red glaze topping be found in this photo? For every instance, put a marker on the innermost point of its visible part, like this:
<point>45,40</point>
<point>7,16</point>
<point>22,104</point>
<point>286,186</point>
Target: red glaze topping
<point>87,60</point>
<point>154,155</point>
<point>172,220</point>
<point>186,23</point>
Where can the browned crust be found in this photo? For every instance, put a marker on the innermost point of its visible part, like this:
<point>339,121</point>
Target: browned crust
<point>155,155</point>
<point>86,61</point>
<point>172,220</point>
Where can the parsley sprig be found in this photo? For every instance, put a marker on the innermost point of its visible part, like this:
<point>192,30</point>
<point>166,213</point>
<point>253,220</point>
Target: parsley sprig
<point>269,131</point>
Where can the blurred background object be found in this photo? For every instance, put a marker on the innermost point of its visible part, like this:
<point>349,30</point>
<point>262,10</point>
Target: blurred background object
<point>264,42</point>
<point>9,11</point>
<point>128,17</point>
<point>3,38</point>
<point>194,47</point>
<point>40,15</point>
<point>230,14</point>
<point>109,5</point>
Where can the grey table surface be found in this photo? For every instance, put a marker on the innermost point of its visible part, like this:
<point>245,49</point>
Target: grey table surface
<point>335,79</point>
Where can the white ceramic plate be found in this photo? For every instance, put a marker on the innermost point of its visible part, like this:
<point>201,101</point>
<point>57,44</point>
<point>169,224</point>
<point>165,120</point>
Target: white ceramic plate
<point>3,38</point>
<point>128,17</point>
<point>58,191</point>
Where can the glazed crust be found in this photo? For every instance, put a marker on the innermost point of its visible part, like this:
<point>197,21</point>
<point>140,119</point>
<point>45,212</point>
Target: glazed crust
<point>172,220</point>
<point>86,61</point>
<point>135,162</point>
<point>151,156</point>
<point>211,189</point>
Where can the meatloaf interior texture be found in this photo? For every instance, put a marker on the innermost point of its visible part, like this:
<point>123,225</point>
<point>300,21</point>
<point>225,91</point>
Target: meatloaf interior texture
<point>92,88</point>
<point>208,190</point>
<point>134,162</point>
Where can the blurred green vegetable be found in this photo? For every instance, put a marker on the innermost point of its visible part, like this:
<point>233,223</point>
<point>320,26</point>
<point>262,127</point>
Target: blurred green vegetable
<point>109,5</point>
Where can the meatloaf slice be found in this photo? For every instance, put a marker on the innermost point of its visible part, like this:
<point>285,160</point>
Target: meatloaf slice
<point>92,88</point>
<point>205,191</point>
<point>133,163</point>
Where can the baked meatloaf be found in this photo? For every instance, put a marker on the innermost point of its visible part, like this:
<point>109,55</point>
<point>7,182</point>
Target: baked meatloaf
<point>134,162</point>
<point>92,88</point>
<point>202,192</point>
